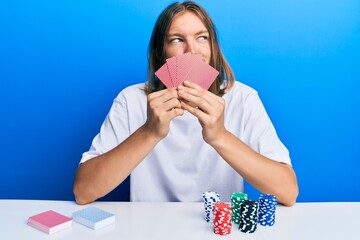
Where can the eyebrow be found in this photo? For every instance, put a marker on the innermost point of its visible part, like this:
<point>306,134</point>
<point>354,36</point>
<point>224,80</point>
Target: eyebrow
<point>178,34</point>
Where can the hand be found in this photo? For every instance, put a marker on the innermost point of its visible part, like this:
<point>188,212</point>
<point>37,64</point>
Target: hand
<point>206,106</point>
<point>162,107</point>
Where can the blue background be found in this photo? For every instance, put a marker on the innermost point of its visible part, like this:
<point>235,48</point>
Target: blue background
<point>63,62</point>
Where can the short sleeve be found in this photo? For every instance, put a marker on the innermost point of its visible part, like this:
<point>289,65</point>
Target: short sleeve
<point>260,132</point>
<point>113,131</point>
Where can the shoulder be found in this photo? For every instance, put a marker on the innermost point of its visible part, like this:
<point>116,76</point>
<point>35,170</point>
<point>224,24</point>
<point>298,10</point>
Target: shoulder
<point>132,92</point>
<point>135,89</point>
<point>240,91</point>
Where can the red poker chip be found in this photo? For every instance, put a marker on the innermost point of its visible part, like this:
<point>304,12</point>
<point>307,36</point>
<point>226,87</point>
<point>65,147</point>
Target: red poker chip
<point>222,218</point>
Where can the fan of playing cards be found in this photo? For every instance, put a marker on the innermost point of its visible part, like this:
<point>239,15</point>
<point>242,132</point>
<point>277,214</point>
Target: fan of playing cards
<point>186,67</point>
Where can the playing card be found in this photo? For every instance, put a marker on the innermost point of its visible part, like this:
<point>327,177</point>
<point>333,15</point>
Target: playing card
<point>187,66</point>
<point>201,73</point>
<point>184,65</point>
<point>172,68</point>
<point>164,75</point>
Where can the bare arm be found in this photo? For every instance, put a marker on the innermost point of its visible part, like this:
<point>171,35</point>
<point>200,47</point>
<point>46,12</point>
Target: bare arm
<point>267,175</point>
<point>100,175</point>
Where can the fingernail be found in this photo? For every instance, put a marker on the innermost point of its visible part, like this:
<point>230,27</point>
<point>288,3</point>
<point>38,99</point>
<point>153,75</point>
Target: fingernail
<point>187,82</point>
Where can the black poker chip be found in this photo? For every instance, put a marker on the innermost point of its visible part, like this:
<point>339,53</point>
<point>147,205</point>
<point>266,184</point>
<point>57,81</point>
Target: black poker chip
<point>248,216</point>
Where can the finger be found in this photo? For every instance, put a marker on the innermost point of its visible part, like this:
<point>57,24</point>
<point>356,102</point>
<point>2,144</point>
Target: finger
<point>196,111</point>
<point>175,112</point>
<point>168,96</point>
<point>163,95</point>
<point>196,99</point>
<point>167,116</point>
<point>197,90</point>
<point>159,107</point>
<point>171,104</point>
<point>192,85</point>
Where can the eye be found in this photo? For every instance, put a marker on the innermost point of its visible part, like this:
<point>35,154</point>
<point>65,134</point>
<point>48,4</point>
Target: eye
<point>203,38</point>
<point>175,40</point>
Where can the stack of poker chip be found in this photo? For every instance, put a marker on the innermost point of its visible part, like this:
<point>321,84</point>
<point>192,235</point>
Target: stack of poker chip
<point>236,199</point>
<point>222,218</point>
<point>248,216</point>
<point>267,207</point>
<point>209,199</point>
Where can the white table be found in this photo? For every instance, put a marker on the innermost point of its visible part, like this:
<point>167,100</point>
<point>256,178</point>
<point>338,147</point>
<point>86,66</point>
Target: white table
<point>183,221</point>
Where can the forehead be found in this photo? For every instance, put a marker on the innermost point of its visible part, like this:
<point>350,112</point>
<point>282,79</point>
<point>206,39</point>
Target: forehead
<point>186,21</point>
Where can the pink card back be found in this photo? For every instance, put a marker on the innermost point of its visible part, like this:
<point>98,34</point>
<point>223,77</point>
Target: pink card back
<point>172,68</point>
<point>184,65</point>
<point>163,74</point>
<point>202,73</point>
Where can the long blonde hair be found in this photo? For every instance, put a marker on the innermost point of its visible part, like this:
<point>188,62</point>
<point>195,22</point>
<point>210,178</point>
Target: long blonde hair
<point>157,55</point>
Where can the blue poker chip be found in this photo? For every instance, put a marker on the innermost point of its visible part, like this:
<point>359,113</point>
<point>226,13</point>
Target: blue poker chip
<point>267,209</point>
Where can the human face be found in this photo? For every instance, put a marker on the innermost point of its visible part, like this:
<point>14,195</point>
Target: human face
<point>188,34</point>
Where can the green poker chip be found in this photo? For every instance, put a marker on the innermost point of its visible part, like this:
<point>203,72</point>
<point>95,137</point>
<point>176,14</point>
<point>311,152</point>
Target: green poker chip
<point>236,199</point>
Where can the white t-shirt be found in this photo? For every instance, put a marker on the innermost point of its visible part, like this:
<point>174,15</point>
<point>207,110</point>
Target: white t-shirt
<point>182,166</point>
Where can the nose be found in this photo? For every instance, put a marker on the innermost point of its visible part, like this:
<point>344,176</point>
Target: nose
<point>191,47</point>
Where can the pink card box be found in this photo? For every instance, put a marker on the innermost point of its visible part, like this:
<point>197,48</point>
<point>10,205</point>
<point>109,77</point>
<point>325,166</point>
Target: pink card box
<point>50,221</point>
